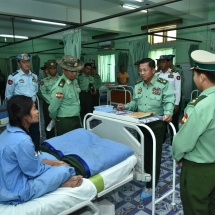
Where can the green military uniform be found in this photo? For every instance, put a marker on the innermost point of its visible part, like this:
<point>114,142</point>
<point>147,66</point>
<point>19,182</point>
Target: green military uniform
<point>45,88</point>
<point>194,144</point>
<point>65,105</point>
<point>197,151</point>
<point>86,97</point>
<point>157,97</point>
<point>97,85</point>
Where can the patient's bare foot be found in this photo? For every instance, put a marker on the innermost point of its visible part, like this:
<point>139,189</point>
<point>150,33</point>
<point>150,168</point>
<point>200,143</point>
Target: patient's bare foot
<point>74,181</point>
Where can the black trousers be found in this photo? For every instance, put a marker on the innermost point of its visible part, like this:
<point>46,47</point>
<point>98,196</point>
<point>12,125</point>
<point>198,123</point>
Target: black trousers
<point>47,119</point>
<point>86,103</point>
<point>96,98</point>
<point>158,127</point>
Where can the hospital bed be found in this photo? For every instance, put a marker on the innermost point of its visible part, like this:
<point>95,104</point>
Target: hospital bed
<point>66,200</point>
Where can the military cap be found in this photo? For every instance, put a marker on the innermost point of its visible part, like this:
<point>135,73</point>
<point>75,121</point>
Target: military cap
<point>204,60</point>
<point>44,67</point>
<point>171,56</point>
<point>70,63</point>
<point>51,64</point>
<point>23,56</point>
<point>164,57</point>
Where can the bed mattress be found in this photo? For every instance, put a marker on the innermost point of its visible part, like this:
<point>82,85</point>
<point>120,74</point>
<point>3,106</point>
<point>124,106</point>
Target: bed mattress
<point>64,198</point>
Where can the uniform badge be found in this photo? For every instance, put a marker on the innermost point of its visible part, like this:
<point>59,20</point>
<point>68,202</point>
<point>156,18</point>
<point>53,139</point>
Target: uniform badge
<point>178,77</point>
<point>10,82</point>
<point>41,83</point>
<point>170,76</point>
<point>59,95</point>
<point>184,119</point>
<point>156,91</point>
<point>75,64</point>
<point>21,81</point>
<point>61,84</point>
<point>34,79</point>
<point>139,90</point>
<point>25,57</point>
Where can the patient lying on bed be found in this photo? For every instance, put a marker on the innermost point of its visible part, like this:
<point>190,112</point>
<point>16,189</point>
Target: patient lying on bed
<point>25,174</point>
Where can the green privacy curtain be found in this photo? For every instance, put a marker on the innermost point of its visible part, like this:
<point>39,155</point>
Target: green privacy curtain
<point>36,64</point>
<point>193,47</point>
<point>14,65</point>
<point>106,67</point>
<point>138,50</point>
<point>123,59</point>
<point>72,43</point>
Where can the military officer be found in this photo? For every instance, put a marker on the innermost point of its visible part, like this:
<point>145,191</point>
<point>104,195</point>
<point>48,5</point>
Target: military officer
<point>97,84</point>
<point>174,79</point>
<point>64,105</point>
<point>152,94</point>
<point>24,82</point>
<point>87,86</point>
<point>194,146</point>
<point>45,87</point>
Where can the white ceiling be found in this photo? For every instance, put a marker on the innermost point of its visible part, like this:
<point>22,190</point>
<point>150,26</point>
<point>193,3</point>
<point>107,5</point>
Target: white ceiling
<point>19,12</point>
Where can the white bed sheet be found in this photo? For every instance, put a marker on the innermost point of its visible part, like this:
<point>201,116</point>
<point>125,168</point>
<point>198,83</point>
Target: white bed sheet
<point>54,202</point>
<point>65,198</point>
<point>118,172</point>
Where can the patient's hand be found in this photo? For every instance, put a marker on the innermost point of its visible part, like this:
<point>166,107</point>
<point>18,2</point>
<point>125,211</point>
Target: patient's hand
<point>74,181</point>
<point>54,163</point>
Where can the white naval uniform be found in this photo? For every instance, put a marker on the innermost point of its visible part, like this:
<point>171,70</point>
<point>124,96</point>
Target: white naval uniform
<point>175,81</point>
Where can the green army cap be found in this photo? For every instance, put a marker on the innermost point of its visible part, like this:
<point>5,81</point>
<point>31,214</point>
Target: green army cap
<point>70,63</point>
<point>51,64</point>
<point>204,60</point>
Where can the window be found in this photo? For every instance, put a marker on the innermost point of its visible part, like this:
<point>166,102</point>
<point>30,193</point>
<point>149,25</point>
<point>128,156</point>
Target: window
<point>106,67</point>
<point>166,35</point>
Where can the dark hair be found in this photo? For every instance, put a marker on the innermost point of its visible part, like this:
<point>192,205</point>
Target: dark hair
<point>18,107</point>
<point>210,74</point>
<point>148,60</point>
<point>87,64</point>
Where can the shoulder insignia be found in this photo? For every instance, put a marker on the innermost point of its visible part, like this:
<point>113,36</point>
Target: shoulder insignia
<point>140,80</point>
<point>163,81</point>
<point>196,100</point>
<point>61,83</point>
<point>14,73</point>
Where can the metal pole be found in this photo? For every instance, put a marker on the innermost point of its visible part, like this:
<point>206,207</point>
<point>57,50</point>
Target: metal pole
<point>14,40</point>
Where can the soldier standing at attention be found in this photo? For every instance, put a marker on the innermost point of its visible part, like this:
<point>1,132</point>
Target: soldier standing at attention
<point>24,82</point>
<point>98,84</point>
<point>87,86</point>
<point>152,94</point>
<point>45,88</point>
<point>194,146</point>
<point>174,79</point>
<point>64,105</point>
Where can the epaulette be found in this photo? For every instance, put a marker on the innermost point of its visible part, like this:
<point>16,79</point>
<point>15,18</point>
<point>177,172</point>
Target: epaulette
<point>196,100</point>
<point>140,80</point>
<point>14,73</point>
<point>174,70</point>
<point>163,81</point>
<point>61,83</point>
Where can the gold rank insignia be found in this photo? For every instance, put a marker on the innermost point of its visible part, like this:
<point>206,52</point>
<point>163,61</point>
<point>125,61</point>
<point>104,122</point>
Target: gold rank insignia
<point>139,90</point>
<point>75,64</point>
<point>193,101</point>
<point>52,64</point>
<point>184,119</point>
<point>59,95</point>
<point>61,84</point>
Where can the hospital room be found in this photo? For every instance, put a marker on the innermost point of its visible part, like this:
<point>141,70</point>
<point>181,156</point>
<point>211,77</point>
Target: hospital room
<point>107,107</point>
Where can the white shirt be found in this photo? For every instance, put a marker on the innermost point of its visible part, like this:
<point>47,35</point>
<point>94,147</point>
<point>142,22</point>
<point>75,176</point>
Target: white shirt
<point>175,81</point>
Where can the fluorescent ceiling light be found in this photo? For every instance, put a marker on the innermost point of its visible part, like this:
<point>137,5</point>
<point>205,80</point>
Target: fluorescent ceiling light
<point>139,0</point>
<point>13,36</point>
<point>46,22</point>
<point>132,7</point>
